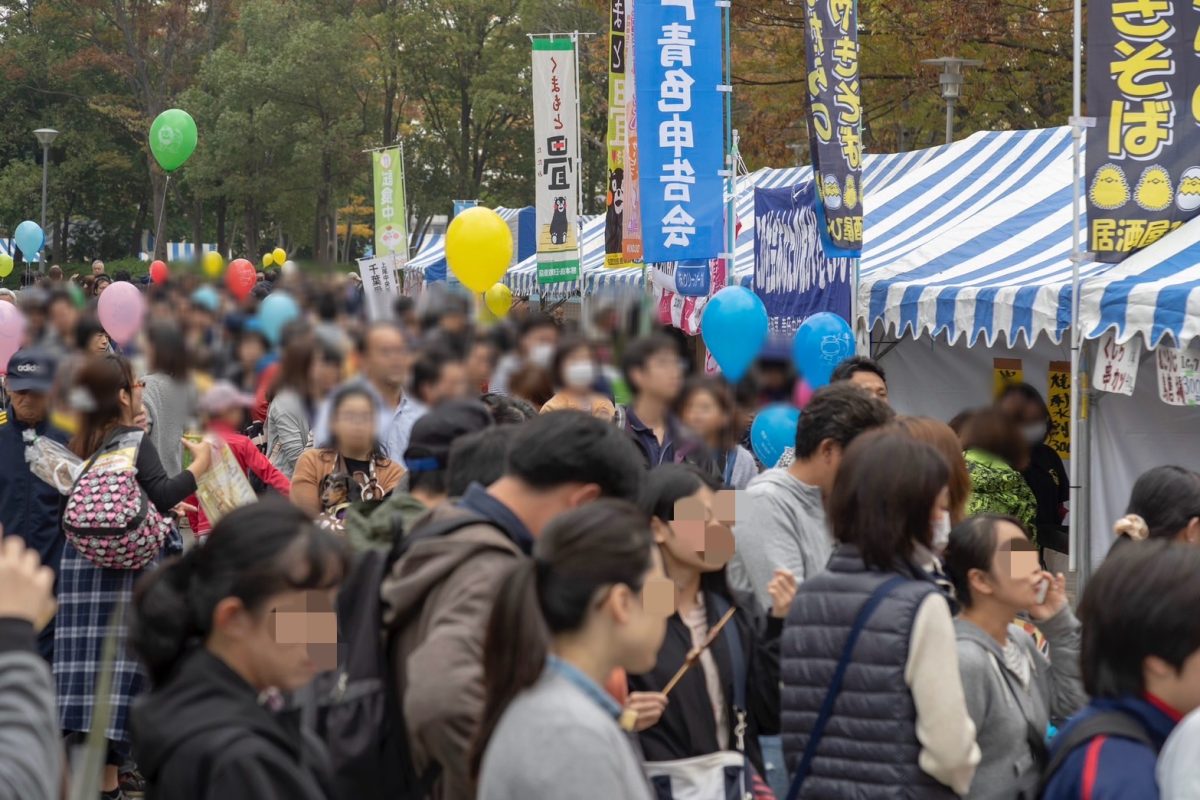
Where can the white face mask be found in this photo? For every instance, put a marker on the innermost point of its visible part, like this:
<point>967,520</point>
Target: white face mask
<point>579,374</point>
<point>1034,432</point>
<point>541,355</point>
<point>941,533</point>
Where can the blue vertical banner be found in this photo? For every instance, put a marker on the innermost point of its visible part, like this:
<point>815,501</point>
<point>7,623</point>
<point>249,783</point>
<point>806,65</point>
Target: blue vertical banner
<point>835,122</point>
<point>681,128</point>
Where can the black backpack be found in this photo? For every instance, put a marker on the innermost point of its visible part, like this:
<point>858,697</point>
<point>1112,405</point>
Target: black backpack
<point>357,710</point>
<point>1106,723</point>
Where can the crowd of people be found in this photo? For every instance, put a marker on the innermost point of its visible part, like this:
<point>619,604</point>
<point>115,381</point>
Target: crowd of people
<point>538,557</point>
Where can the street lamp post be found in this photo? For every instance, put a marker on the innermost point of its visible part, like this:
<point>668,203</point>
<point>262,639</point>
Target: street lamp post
<point>46,137</point>
<point>951,82</point>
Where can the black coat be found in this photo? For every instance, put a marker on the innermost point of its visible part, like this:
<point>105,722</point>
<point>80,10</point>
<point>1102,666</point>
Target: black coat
<point>1047,478</point>
<point>203,736</point>
<point>687,727</point>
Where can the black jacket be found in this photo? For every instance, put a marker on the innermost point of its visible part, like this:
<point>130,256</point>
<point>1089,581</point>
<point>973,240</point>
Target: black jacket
<point>1047,479</point>
<point>203,736</point>
<point>687,727</point>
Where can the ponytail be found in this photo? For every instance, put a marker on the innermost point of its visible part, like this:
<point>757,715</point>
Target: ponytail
<point>581,552</point>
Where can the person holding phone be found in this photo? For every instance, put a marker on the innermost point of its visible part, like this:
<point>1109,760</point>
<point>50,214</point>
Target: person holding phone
<point>1013,691</point>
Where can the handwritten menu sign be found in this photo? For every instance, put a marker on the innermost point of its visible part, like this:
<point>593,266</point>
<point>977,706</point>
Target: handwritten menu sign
<point>1117,365</point>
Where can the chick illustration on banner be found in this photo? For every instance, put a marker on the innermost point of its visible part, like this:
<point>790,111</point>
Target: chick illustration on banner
<point>1154,191</point>
<point>1109,189</point>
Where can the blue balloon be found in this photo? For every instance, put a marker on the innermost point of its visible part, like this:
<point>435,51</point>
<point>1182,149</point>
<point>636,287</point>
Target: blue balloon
<point>773,431</point>
<point>734,327</point>
<point>29,238</point>
<point>275,312</point>
<point>822,342</point>
<point>207,297</point>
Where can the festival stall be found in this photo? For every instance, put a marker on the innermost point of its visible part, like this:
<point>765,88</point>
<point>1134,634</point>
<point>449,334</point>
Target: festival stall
<point>429,263</point>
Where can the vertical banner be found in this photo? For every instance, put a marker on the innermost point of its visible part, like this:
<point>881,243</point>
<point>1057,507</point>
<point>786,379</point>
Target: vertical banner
<point>631,234</point>
<point>1058,399</point>
<point>615,137</point>
<point>680,107</point>
<point>1178,376</point>
<point>391,227</point>
<point>1006,371</point>
<point>835,122</point>
<point>379,286</point>
<point>556,140</point>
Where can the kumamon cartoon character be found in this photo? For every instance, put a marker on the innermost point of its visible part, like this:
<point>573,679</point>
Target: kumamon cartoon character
<point>558,222</point>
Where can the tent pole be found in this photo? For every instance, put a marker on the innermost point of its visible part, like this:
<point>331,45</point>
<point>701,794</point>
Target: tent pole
<point>1077,515</point>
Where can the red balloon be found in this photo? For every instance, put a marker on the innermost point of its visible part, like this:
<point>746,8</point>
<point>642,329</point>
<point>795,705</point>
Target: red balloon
<point>240,278</point>
<point>159,272</point>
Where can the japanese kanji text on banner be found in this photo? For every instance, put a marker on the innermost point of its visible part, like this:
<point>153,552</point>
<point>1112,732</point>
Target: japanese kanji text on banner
<point>391,228</point>
<point>556,138</point>
<point>379,285</point>
<point>835,122</point>
<point>615,138</point>
<point>1143,166</point>
<point>681,116</point>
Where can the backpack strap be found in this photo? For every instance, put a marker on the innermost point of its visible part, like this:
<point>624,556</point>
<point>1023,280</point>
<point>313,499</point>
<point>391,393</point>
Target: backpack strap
<point>835,685</point>
<point>1107,723</point>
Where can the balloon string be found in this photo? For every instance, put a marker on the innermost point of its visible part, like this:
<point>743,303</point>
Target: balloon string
<point>161,212</point>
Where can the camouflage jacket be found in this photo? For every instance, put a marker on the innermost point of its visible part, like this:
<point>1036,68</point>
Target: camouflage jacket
<point>997,488</point>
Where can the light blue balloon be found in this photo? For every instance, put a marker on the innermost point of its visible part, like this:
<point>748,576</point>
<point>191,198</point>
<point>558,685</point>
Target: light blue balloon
<point>773,431</point>
<point>29,238</point>
<point>734,327</point>
<point>275,312</point>
<point>822,342</point>
<point>207,297</point>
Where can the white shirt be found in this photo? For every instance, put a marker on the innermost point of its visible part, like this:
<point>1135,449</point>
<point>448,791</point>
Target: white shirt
<point>1178,777</point>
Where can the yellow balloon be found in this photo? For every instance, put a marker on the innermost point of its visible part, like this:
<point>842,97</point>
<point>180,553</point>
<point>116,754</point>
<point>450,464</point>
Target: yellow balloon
<point>479,248</point>
<point>268,260</point>
<point>499,300</point>
<point>214,264</point>
<point>6,265</point>
<point>279,255</point>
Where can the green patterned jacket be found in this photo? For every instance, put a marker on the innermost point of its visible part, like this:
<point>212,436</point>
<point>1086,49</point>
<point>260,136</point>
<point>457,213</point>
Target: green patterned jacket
<point>999,489</point>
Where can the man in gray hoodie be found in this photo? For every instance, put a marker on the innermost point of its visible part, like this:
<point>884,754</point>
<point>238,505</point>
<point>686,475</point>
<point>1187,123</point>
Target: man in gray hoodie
<point>781,515</point>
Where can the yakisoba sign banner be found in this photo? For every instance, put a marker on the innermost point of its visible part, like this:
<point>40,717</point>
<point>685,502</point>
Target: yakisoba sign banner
<point>1143,155</point>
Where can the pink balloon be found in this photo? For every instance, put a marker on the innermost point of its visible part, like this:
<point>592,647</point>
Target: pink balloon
<point>803,394</point>
<point>121,309</point>
<point>12,332</point>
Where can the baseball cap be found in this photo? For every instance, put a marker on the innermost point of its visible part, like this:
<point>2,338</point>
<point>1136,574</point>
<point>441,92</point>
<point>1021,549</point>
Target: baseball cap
<point>223,396</point>
<point>31,370</point>
<point>429,444</point>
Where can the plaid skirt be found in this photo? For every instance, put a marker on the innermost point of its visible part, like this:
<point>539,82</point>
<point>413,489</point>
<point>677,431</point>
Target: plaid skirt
<point>88,597</point>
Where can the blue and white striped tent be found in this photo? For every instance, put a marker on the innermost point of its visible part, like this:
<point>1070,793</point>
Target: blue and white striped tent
<point>430,260</point>
<point>879,171</point>
<point>1154,293</point>
<point>179,251</point>
<point>975,242</point>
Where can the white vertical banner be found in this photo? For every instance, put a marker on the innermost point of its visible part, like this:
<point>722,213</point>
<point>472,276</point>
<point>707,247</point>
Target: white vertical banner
<point>556,154</point>
<point>379,286</point>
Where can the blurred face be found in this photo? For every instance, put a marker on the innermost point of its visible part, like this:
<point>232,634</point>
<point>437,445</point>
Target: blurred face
<point>451,384</point>
<point>29,407</point>
<point>324,375</point>
<point>479,365</point>
<point>703,414</point>
<point>698,535</point>
<point>640,624</point>
<point>662,377</point>
<point>353,425</point>
<point>101,286</point>
<point>579,370</point>
<point>385,358</point>
<point>131,401</point>
<point>1015,574</point>
<point>1028,417</point>
<point>63,317</point>
<point>97,267</point>
<point>250,350</point>
<point>538,345</point>
<point>871,382</point>
<point>98,344</point>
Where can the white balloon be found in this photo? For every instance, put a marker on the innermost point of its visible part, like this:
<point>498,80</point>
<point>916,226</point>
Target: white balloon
<point>289,267</point>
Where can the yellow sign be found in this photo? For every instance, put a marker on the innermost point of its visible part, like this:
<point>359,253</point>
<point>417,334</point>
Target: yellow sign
<point>1058,399</point>
<point>1006,371</point>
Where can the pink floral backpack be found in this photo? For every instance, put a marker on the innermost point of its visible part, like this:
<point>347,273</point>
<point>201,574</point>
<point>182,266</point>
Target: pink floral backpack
<point>108,518</point>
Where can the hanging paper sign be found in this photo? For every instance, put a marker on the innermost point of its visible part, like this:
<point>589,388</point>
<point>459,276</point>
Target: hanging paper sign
<point>1178,376</point>
<point>391,229</point>
<point>681,111</point>
<point>835,122</point>
<point>615,138</point>
<point>1005,372</point>
<point>1117,364</point>
<point>1058,400</point>
<point>379,286</point>
<point>631,219</point>
<point>556,150</point>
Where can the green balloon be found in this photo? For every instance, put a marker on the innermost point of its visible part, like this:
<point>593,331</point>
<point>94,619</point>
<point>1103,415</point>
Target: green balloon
<point>173,138</point>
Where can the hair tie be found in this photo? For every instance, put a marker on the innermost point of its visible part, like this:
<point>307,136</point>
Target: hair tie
<point>1133,526</point>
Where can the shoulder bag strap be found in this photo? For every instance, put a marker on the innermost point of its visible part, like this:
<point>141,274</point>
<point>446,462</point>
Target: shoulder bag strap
<point>1106,723</point>
<point>835,685</point>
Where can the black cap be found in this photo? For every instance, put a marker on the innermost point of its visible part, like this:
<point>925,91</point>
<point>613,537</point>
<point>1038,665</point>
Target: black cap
<point>31,370</point>
<point>429,445</point>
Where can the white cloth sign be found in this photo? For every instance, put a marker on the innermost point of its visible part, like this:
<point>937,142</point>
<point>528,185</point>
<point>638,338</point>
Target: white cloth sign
<point>379,286</point>
<point>1178,376</point>
<point>1117,365</point>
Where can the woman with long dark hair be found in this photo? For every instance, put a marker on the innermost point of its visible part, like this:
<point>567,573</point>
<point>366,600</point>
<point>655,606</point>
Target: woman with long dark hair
<point>170,398</point>
<point>109,401</point>
<point>899,722</point>
<point>701,716</point>
<point>215,629</point>
<point>563,621</point>
<point>1164,504</point>
<point>350,467</point>
<point>707,407</point>
<point>292,405</point>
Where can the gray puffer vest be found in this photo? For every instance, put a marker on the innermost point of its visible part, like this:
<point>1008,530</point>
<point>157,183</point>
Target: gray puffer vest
<point>870,748</point>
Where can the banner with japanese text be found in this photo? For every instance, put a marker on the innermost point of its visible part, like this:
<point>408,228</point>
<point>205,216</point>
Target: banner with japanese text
<point>678,80</point>
<point>380,286</point>
<point>391,227</point>
<point>631,218</point>
<point>615,137</point>
<point>835,122</point>
<point>556,150</point>
<point>1143,88</point>
<point>792,274</point>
